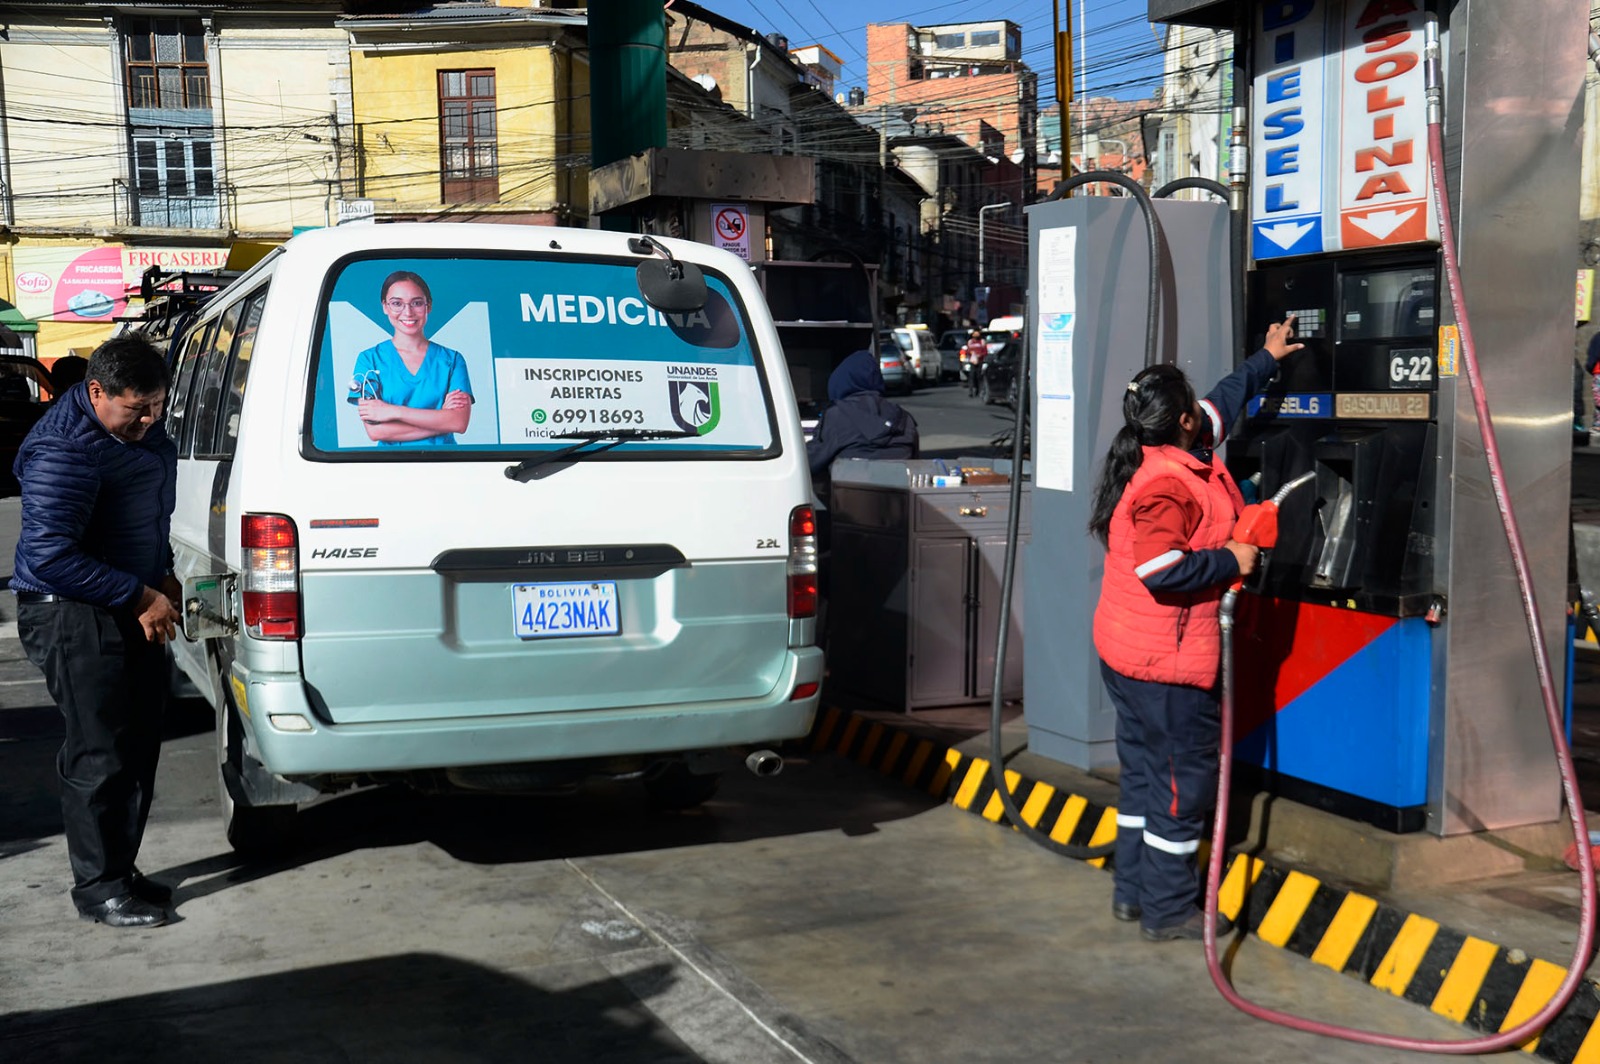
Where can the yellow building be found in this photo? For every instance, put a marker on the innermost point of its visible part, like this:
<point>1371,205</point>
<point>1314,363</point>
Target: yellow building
<point>473,113</point>
<point>148,138</point>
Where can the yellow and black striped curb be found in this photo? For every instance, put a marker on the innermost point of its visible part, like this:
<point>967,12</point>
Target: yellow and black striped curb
<point>1466,979</point>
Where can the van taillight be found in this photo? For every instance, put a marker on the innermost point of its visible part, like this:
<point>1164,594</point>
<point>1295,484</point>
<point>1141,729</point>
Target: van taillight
<point>802,563</point>
<point>270,578</point>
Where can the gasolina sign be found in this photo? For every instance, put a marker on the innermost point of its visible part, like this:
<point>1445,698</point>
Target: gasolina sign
<point>1339,133</point>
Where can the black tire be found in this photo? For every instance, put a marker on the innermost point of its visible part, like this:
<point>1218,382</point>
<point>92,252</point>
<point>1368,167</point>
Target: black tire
<point>250,829</point>
<point>675,787</point>
<point>1011,394</point>
<point>984,393</point>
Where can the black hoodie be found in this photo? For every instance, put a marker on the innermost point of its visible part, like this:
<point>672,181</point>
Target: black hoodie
<point>860,422</point>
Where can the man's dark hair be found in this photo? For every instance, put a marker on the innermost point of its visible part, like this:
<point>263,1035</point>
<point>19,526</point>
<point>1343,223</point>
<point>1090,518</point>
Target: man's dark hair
<point>125,363</point>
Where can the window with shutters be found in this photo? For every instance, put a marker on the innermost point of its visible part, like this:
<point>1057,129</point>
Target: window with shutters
<point>166,64</point>
<point>469,153</point>
<point>170,133</point>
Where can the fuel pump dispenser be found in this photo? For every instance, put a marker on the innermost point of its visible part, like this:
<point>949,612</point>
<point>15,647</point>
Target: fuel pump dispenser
<point>1376,671</point>
<point>1377,676</point>
<point>1380,668</point>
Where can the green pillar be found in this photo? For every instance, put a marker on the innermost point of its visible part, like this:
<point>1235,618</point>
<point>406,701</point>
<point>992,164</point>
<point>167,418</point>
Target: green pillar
<point>627,86</point>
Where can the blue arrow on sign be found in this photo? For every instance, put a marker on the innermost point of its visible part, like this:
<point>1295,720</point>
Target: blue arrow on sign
<point>1287,236</point>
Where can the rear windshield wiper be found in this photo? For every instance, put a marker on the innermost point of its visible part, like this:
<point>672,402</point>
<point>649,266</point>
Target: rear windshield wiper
<point>592,442</point>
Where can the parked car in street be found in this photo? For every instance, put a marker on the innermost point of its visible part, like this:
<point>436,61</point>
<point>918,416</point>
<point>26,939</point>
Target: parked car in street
<point>998,381</point>
<point>892,363</point>
<point>920,352</point>
<point>26,392</point>
<point>1003,330</point>
<point>951,341</point>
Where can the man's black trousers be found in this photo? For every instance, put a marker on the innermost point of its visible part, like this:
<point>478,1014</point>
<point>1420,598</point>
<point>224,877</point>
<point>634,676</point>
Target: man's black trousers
<point>110,684</point>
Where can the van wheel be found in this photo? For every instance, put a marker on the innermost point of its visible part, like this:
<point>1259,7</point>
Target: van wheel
<point>984,393</point>
<point>251,829</point>
<point>1011,394</point>
<point>675,787</point>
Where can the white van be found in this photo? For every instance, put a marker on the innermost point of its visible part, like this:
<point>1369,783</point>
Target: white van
<point>490,508</point>
<point>922,357</point>
<point>1002,330</point>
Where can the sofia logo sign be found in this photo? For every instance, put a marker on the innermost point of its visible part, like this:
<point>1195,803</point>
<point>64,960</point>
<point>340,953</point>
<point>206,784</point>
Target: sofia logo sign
<point>1356,177</point>
<point>33,282</point>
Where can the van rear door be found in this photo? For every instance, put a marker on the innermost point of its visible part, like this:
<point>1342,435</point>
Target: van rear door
<point>526,490</point>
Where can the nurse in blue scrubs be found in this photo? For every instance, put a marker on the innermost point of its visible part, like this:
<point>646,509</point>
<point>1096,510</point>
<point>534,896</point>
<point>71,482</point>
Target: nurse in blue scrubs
<point>410,391</point>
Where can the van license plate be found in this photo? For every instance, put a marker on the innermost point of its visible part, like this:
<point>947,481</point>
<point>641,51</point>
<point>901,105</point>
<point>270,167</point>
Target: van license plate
<point>576,608</point>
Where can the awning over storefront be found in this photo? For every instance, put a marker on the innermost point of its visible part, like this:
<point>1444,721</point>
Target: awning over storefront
<point>12,324</point>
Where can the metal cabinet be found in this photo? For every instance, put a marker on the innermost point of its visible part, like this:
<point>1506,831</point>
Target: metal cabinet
<point>914,587</point>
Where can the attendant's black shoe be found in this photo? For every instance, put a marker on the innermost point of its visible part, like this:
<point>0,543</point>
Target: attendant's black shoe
<point>125,910</point>
<point>151,891</point>
<point>1192,928</point>
<point>1125,912</point>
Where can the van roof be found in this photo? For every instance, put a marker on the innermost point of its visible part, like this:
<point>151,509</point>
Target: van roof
<point>469,237</point>
<point>1006,321</point>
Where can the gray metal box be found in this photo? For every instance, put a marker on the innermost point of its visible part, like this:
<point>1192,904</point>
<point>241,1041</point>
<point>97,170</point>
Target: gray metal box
<point>1069,717</point>
<point>914,585</point>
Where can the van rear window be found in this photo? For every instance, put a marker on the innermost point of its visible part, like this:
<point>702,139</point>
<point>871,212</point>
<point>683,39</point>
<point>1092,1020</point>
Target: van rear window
<point>440,355</point>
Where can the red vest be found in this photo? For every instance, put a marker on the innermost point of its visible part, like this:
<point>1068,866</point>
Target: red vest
<point>1173,638</point>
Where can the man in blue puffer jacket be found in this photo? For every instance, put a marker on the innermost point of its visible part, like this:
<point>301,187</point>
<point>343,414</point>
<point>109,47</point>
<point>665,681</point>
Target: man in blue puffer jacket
<point>95,606</point>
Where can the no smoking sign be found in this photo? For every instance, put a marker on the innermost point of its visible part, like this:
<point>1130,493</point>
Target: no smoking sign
<point>731,226</point>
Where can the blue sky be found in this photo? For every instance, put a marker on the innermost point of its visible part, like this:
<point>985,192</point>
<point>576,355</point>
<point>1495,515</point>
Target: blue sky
<point>1120,57</point>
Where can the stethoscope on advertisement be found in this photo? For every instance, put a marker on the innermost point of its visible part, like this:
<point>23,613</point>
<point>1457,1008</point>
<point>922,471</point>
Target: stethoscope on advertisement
<point>366,386</point>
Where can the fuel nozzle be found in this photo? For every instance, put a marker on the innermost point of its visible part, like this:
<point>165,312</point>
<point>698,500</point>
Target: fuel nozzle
<point>1258,522</point>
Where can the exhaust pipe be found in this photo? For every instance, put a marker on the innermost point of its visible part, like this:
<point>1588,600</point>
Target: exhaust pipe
<point>764,763</point>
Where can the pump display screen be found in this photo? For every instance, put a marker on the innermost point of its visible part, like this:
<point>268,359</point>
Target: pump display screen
<point>1387,304</point>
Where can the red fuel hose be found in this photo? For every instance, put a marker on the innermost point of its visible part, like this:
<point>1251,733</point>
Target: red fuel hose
<point>1552,704</point>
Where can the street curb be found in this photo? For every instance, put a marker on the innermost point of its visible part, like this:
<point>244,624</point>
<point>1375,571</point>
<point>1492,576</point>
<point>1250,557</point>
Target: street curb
<point>1476,983</point>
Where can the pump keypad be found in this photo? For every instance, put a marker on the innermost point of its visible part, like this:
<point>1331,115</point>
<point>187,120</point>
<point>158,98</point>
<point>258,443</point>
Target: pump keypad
<point>1311,322</point>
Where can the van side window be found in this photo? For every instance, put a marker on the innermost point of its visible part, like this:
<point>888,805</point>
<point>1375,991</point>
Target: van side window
<point>206,402</point>
<point>183,380</point>
<point>238,373</point>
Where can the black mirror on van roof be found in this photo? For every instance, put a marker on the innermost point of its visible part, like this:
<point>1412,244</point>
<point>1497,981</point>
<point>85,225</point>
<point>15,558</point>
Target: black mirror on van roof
<point>667,283</point>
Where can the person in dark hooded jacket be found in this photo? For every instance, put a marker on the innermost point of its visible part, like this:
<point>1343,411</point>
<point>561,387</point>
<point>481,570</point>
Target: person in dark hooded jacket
<point>858,421</point>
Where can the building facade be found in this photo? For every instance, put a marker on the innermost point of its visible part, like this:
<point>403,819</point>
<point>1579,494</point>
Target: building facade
<point>140,137</point>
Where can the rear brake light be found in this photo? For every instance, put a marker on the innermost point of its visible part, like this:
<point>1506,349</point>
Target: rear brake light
<point>802,563</point>
<point>270,577</point>
<point>803,691</point>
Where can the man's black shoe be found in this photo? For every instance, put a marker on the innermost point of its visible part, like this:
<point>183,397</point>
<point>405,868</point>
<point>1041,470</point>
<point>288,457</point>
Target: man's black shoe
<point>1194,927</point>
<point>125,910</point>
<point>1125,912</point>
<point>151,891</point>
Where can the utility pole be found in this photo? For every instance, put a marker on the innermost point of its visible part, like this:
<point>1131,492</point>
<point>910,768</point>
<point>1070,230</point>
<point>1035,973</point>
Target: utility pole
<point>884,136</point>
<point>1063,56</point>
<point>989,207</point>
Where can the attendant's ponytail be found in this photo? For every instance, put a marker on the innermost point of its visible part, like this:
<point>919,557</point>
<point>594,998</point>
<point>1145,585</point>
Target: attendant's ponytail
<point>1156,398</point>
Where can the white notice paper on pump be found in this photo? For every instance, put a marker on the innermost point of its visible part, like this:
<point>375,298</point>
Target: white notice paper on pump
<point>1052,332</point>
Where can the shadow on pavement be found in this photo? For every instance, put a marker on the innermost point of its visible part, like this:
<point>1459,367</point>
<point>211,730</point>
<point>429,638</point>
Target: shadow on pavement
<point>402,1008</point>
<point>600,819</point>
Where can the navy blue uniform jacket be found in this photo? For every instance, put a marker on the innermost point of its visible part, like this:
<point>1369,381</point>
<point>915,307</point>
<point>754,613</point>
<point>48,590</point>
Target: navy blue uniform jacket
<point>96,510</point>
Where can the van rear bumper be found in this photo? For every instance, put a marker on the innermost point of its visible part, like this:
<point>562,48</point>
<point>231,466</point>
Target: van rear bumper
<point>447,742</point>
